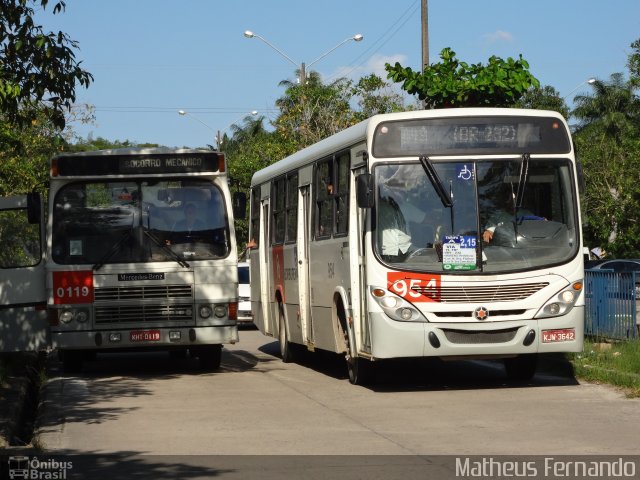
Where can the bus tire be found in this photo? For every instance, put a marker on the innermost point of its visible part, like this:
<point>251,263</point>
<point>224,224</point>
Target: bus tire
<point>71,361</point>
<point>178,354</point>
<point>209,357</point>
<point>522,367</point>
<point>286,349</point>
<point>360,370</point>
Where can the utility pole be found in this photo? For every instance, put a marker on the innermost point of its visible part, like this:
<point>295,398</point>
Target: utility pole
<point>425,34</point>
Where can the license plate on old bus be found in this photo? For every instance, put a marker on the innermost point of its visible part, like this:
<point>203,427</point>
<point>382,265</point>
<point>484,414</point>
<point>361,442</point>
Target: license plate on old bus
<point>144,336</point>
<point>560,335</point>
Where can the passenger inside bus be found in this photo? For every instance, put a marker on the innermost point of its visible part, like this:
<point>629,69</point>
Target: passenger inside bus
<point>395,240</point>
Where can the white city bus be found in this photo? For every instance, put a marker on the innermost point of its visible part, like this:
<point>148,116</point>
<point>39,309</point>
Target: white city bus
<point>450,233</point>
<point>140,254</point>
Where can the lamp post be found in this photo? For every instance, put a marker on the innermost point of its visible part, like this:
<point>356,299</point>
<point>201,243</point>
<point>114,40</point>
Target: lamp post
<point>590,81</point>
<point>218,136</point>
<point>303,67</point>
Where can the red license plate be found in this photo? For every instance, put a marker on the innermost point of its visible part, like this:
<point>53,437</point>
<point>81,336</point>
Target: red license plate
<point>145,336</point>
<point>560,335</point>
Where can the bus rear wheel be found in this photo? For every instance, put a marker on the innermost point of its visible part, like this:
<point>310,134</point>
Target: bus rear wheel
<point>522,367</point>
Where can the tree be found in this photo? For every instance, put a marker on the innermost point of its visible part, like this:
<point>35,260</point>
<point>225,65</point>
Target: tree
<point>545,98</point>
<point>313,111</point>
<point>613,108</point>
<point>452,83</point>
<point>36,66</point>
<point>633,64</point>
<point>607,141</point>
<point>374,96</point>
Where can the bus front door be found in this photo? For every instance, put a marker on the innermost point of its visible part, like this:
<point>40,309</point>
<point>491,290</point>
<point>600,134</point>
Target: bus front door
<point>23,313</point>
<point>265,271</point>
<point>304,284</point>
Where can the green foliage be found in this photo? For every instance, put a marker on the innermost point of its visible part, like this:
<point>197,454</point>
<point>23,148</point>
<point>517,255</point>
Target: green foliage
<point>452,83</point>
<point>545,98</point>
<point>313,111</point>
<point>374,96</point>
<point>24,152</point>
<point>37,66</point>
<point>608,143</point>
<point>633,64</point>
<point>20,240</point>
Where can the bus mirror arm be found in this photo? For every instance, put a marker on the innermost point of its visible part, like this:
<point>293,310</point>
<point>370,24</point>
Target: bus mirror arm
<point>34,208</point>
<point>240,205</point>
<point>364,190</point>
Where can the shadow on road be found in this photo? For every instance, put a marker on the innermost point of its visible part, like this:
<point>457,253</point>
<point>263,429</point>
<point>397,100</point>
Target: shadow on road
<point>432,374</point>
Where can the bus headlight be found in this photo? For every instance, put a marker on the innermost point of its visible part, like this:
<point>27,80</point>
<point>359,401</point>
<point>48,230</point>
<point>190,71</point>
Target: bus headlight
<point>81,316</point>
<point>562,302</point>
<point>205,311</point>
<point>220,311</point>
<point>65,316</point>
<point>396,307</point>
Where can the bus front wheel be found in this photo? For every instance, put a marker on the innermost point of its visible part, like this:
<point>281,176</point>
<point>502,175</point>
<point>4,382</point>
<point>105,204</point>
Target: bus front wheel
<point>286,349</point>
<point>360,370</point>
<point>209,357</point>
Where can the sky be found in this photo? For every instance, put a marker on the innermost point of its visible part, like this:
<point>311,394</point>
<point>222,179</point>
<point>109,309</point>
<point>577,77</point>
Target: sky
<point>151,58</point>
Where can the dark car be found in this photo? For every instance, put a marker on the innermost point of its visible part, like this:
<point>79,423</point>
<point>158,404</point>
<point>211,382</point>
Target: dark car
<point>619,265</point>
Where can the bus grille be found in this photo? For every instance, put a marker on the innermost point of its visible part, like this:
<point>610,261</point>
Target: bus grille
<point>144,303</point>
<point>468,337</point>
<point>478,294</point>
<point>110,314</point>
<point>148,292</point>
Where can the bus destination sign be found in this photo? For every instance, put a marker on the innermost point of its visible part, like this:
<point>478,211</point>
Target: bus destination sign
<point>446,136</point>
<point>134,164</point>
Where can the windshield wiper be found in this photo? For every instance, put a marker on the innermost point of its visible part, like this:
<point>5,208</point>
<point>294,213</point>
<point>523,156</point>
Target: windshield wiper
<point>167,250</point>
<point>433,177</point>
<point>524,174</point>
<point>116,246</point>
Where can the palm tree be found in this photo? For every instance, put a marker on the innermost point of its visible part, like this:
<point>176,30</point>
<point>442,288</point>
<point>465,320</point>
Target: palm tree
<point>614,107</point>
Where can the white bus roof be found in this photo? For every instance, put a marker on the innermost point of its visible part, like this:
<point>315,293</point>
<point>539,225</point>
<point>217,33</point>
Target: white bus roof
<point>359,132</point>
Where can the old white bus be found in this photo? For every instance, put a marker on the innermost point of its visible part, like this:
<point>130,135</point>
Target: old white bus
<point>140,253</point>
<point>451,233</point>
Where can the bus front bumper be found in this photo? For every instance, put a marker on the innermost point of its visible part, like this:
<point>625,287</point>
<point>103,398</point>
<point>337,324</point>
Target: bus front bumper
<point>169,337</point>
<point>393,339</point>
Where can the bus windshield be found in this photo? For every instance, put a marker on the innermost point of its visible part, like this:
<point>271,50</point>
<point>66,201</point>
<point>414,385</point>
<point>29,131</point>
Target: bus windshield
<point>130,221</point>
<point>490,215</point>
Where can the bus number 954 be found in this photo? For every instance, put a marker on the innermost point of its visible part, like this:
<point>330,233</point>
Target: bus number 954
<point>419,288</point>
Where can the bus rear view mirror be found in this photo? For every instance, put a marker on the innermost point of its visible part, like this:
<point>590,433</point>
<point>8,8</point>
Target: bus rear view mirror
<point>34,208</point>
<point>364,190</point>
<point>239,205</point>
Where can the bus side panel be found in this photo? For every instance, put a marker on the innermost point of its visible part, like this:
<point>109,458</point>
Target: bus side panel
<point>23,316</point>
<point>327,267</point>
<point>292,294</point>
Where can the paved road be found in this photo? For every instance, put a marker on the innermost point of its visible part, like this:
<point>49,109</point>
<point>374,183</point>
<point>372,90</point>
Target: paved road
<point>257,405</point>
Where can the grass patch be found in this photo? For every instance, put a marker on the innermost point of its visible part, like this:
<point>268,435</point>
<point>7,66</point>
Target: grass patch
<point>616,364</point>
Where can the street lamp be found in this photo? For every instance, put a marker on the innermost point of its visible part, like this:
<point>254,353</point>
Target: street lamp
<point>218,136</point>
<point>303,68</point>
<point>590,81</point>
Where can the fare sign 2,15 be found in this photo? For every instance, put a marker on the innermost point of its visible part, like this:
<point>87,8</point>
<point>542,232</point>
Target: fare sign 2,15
<point>73,287</point>
<point>414,287</point>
